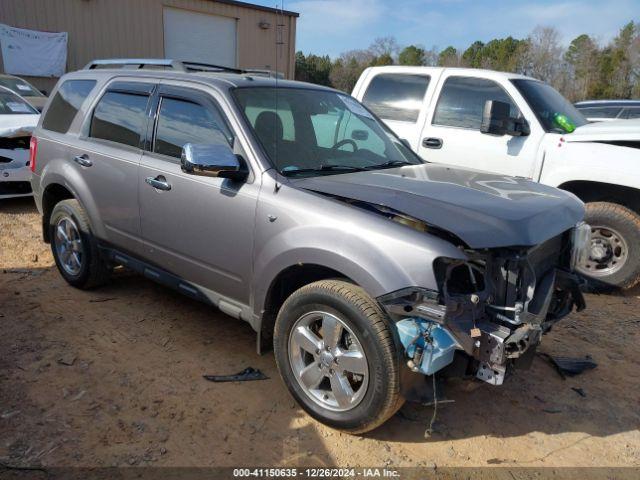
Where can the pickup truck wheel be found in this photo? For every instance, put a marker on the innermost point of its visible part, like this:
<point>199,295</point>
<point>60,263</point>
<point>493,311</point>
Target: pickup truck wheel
<point>336,354</point>
<point>74,248</point>
<point>614,257</point>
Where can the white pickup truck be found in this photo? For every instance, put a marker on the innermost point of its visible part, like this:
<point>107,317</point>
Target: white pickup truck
<point>519,126</point>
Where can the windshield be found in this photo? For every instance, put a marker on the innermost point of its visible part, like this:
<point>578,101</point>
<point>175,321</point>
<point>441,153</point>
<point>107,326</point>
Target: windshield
<point>556,113</point>
<point>20,86</point>
<point>11,104</point>
<point>309,132</point>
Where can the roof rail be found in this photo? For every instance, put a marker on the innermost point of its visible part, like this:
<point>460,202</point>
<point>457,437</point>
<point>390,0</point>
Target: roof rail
<point>178,65</point>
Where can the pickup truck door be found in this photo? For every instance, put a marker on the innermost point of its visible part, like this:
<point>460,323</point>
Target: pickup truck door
<point>399,100</point>
<point>198,228</point>
<point>452,134</point>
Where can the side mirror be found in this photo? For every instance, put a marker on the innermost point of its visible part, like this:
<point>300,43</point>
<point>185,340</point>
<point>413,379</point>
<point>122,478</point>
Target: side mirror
<point>495,117</point>
<point>215,160</point>
<point>496,120</point>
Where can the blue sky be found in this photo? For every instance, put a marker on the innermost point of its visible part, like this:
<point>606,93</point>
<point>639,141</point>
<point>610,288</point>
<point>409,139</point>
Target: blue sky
<point>333,26</point>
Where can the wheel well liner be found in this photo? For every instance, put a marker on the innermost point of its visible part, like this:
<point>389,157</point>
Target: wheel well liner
<point>589,191</point>
<point>52,195</point>
<point>283,285</point>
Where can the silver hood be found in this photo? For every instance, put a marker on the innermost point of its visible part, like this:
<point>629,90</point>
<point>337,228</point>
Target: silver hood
<point>482,209</point>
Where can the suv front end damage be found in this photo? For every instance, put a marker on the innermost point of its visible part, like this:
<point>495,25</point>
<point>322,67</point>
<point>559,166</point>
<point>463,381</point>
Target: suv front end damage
<point>495,306</point>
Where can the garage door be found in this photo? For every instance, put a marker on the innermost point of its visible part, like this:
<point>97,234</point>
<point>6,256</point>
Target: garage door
<point>199,37</point>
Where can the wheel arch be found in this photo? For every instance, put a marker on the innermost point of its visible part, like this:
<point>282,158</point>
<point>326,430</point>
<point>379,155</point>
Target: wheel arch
<point>591,191</point>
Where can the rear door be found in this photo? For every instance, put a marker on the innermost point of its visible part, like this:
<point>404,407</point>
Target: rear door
<point>198,228</point>
<point>398,99</point>
<point>452,130</point>
<point>108,153</point>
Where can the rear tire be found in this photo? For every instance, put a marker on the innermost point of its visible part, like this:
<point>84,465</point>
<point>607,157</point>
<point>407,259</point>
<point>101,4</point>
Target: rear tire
<point>614,259</point>
<point>75,249</point>
<point>359,358</point>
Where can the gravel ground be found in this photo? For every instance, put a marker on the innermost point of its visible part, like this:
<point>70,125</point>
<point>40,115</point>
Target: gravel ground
<point>113,377</point>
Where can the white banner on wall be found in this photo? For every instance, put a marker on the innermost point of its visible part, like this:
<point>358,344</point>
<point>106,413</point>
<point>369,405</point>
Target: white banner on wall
<point>33,53</point>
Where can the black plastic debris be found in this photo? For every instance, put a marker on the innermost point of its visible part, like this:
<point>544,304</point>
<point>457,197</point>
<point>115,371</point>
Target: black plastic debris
<point>579,391</point>
<point>245,375</point>
<point>569,367</point>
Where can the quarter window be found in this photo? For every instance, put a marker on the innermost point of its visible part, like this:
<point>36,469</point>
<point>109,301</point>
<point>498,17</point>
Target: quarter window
<point>462,100</point>
<point>396,96</point>
<point>601,112</point>
<point>119,117</point>
<point>65,104</point>
<point>181,122</point>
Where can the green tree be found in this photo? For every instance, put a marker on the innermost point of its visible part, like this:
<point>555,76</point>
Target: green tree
<point>448,57</point>
<point>581,57</point>
<point>412,55</point>
<point>472,56</point>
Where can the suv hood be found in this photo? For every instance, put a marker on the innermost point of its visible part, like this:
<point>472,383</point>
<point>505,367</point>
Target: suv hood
<point>482,209</point>
<point>625,130</point>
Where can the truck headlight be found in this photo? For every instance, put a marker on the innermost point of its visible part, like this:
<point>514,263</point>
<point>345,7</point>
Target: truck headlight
<point>580,244</point>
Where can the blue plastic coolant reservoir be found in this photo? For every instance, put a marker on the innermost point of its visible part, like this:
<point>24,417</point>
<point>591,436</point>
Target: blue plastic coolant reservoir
<point>436,343</point>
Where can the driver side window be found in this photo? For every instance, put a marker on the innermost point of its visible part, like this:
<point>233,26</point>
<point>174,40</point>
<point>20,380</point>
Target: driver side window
<point>462,101</point>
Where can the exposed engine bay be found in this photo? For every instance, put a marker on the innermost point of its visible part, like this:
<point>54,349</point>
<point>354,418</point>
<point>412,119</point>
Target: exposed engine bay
<point>494,307</point>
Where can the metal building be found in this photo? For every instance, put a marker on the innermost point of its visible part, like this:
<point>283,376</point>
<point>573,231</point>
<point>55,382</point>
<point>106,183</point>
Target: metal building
<point>224,32</point>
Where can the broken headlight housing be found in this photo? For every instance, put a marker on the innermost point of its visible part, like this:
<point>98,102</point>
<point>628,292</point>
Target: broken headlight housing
<point>580,244</point>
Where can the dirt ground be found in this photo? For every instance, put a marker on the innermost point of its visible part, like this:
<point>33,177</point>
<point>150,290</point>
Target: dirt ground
<point>114,377</point>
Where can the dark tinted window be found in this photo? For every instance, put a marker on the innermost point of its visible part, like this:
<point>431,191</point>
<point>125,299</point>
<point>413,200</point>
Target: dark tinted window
<point>630,113</point>
<point>65,104</point>
<point>462,100</point>
<point>181,122</point>
<point>119,117</point>
<point>600,112</point>
<point>20,86</point>
<point>396,97</point>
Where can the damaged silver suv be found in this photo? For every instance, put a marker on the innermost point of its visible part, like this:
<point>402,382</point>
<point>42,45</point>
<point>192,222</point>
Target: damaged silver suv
<point>292,207</point>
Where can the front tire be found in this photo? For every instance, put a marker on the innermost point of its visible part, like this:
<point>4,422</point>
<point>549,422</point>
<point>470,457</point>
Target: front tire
<point>74,248</point>
<point>614,258</point>
<point>336,353</point>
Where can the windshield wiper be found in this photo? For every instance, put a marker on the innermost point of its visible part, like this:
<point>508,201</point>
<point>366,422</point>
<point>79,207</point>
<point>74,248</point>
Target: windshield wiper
<point>325,168</point>
<point>391,163</point>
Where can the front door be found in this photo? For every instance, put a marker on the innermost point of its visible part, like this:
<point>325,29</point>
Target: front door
<point>198,228</point>
<point>452,134</point>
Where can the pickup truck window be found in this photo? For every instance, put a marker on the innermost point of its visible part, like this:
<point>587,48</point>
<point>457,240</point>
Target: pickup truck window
<point>555,113</point>
<point>66,103</point>
<point>181,122</point>
<point>462,100</point>
<point>397,97</point>
<point>630,113</point>
<point>333,132</point>
<point>119,117</point>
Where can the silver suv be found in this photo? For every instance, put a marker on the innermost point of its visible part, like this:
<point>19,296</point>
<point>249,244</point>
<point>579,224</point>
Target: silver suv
<point>292,207</point>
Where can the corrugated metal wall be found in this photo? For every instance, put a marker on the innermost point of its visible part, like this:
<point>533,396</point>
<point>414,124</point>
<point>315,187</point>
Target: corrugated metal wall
<point>133,28</point>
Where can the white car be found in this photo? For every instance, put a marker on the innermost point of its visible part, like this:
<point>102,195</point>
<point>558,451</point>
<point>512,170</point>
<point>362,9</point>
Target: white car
<point>519,126</point>
<point>607,110</point>
<point>17,120</point>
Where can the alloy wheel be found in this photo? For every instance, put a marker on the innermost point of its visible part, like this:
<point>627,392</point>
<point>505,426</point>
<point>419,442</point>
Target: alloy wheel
<point>328,361</point>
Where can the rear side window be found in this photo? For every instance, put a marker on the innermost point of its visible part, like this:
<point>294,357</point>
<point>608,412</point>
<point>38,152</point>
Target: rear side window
<point>119,117</point>
<point>66,103</point>
<point>631,113</point>
<point>181,122</point>
<point>600,112</point>
<point>396,97</point>
<point>462,100</point>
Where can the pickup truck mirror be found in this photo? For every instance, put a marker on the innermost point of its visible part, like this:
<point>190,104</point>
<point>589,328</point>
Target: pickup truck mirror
<point>212,160</point>
<point>496,120</point>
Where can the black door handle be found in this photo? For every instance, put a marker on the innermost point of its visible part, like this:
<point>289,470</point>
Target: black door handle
<point>158,182</point>
<point>83,160</point>
<point>432,142</point>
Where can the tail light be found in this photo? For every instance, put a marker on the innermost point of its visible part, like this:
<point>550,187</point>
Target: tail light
<point>33,151</point>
